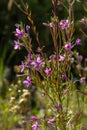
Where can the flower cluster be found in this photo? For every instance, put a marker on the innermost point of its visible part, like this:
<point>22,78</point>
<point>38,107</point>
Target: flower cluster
<point>53,74</point>
<point>64,24</point>
<point>19,34</point>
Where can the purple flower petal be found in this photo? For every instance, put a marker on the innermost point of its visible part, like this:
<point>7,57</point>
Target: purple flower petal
<point>27,28</point>
<point>51,121</point>
<point>27,82</point>
<point>19,33</point>
<point>22,66</point>
<point>16,45</point>
<point>58,106</point>
<point>38,63</point>
<point>68,47</point>
<point>34,118</point>
<point>64,76</point>
<point>83,21</point>
<point>82,80</point>
<point>35,126</point>
<point>78,42</point>
<point>62,58</point>
<point>64,24</point>
<point>48,71</point>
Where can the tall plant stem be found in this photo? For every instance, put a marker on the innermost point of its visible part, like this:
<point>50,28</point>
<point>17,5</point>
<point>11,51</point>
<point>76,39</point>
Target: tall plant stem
<point>56,39</point>
<point>71,18</point>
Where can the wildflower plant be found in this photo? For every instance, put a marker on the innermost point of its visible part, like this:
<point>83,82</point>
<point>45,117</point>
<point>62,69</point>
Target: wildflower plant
<point>53,75</point>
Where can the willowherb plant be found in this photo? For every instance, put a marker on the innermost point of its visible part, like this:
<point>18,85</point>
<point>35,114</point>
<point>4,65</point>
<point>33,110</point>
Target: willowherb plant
<point>53,75</point>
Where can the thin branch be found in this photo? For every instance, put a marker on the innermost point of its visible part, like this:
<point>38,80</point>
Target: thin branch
<point>19,7</point>
<point>83,33</point>
<point>80,91</point>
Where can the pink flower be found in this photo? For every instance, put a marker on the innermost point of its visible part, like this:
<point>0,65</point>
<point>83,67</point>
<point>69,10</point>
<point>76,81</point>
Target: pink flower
<point>62,58</point>
<point>82,80</point>
<point>80,58</point>
<point>51,121</point>
<point>27,82</point>
<point>47,71</point>
<point>64,24</point>
<point>64,76</point>
<point>35,126</point>
<point>78,42</point>
<point>19,33</point>
<point>30,58</point>
<point>65,92</point>
<point>38,63</point>
<point>68,47</point>
<point>34,118</point>
<point>83,21</point>
<point>58,106</point>
<point>27,28</point>
<point>22,66</point>
<point>16,45</point>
